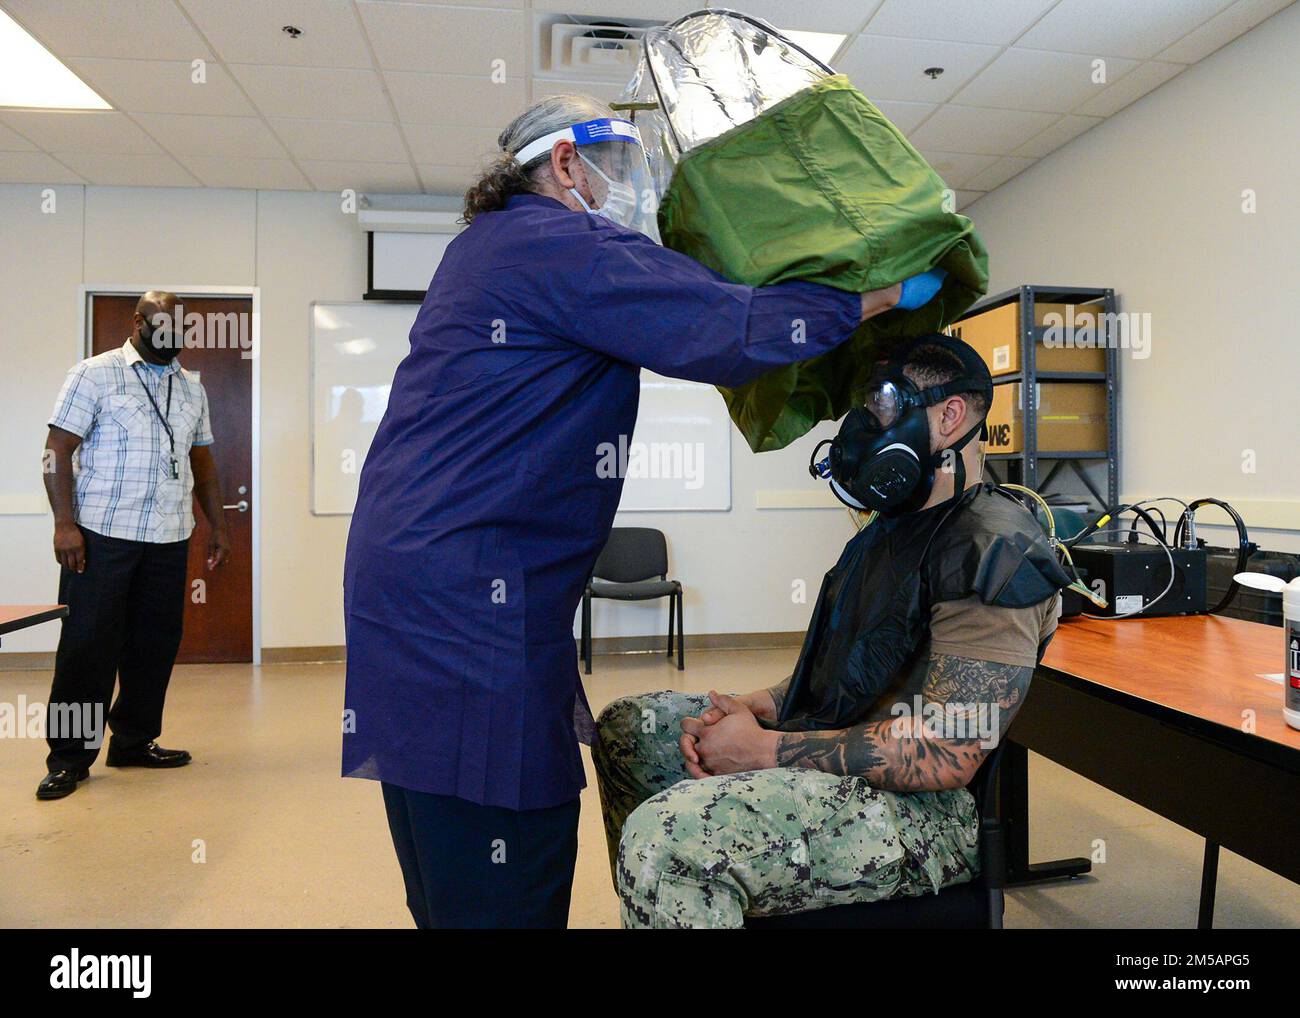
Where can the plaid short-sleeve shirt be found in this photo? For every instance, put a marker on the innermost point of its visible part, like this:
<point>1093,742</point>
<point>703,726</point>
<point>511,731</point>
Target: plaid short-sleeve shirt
<point>125,483</point>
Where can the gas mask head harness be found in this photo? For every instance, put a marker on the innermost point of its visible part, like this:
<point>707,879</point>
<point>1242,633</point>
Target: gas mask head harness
<point>617,171</point>
<point>881,458</point>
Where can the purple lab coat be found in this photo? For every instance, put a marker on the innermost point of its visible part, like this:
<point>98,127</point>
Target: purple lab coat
<point>481,511</point>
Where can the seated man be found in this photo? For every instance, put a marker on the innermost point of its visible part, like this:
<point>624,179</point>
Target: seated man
<point>846,783</point>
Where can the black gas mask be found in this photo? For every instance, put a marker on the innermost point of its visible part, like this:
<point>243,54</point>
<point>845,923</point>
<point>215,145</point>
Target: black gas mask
<point>881,458</point>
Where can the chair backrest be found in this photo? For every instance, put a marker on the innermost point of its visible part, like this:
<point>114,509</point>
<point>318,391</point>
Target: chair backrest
<point>632,554</point>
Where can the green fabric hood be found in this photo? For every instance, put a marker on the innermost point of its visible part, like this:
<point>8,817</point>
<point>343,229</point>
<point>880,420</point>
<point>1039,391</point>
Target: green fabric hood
<point>821,187</point>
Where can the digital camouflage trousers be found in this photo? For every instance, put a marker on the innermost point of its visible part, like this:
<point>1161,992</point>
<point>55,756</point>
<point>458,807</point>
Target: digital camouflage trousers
<point>707,853</point>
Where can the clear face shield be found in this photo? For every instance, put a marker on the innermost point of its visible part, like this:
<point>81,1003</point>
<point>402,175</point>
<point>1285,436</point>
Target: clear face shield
<point>616,170</point>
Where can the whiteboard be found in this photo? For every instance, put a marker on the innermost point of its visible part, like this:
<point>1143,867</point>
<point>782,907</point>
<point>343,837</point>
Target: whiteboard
<point>678,458</point>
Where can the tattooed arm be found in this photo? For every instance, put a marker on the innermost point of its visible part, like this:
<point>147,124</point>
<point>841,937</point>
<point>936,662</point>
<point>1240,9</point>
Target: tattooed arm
<point>906,755</point>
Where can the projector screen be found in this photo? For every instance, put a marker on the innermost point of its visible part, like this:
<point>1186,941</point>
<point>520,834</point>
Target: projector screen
<point>401,264</point>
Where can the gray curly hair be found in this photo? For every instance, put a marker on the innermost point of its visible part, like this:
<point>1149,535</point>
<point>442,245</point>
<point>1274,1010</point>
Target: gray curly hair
<point>505,176</point>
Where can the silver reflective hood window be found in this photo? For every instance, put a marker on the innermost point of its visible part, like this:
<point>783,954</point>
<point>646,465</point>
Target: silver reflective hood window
<point>708,72</point>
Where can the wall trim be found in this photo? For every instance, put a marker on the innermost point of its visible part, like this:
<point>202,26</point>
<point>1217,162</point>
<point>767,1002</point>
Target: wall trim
<point>27,661</point>
<point>1259,513</point>
<point>600,645</point>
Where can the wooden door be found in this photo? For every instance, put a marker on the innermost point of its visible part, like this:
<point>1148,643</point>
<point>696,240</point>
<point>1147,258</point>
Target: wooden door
<point>218,612</point>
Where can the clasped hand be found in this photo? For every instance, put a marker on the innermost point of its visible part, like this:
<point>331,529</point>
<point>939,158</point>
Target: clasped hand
<point>727,738</point>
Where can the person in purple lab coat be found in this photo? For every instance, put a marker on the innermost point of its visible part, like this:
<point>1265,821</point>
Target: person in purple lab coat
<point>481,510</point>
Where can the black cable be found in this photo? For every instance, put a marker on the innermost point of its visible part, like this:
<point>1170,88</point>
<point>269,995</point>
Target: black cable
<point>1244,546</point>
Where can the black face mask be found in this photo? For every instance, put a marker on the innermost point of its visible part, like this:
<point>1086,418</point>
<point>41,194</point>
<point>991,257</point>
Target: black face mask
<point>161,342</point>
<point>881,458</point>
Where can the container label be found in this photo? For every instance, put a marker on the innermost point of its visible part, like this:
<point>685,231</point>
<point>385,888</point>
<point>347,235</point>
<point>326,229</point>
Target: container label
<point>1293,665</point>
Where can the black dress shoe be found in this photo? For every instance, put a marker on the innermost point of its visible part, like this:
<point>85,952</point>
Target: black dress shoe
<point>149,755</point>
<point>57,784</point>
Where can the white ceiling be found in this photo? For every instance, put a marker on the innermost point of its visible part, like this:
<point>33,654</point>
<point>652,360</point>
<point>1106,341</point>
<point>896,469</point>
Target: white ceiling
<point>380,95</point>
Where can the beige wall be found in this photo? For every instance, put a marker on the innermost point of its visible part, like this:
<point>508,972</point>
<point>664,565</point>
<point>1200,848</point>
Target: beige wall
<point>739,567</point>
<point>1150,202</point>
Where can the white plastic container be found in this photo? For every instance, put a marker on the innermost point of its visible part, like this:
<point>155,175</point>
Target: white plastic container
<point>1291,673</point>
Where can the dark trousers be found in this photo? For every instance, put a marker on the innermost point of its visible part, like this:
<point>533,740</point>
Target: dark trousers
<point>124,622</point>
<point>468,866</point>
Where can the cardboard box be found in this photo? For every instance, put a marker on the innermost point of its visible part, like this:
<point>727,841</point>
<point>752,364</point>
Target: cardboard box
<point>996,335</point>
<point>1071,417</point>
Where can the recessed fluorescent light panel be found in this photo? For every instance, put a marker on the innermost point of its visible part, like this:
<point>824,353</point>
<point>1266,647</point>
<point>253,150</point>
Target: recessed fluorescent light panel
<point>822,45</point>
<point>32,77</point>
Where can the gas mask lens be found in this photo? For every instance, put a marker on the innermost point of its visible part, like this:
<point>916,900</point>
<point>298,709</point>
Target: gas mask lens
<point>886,404</point>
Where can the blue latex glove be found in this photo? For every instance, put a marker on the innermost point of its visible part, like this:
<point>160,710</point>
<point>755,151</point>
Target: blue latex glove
<point>920,290</point>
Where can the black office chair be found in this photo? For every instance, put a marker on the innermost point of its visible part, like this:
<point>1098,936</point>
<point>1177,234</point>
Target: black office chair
<point>976,905</point>
<point>626,571</point>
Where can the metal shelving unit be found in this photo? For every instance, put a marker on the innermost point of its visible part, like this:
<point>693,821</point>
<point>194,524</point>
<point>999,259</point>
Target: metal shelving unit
<point>1032,467</point>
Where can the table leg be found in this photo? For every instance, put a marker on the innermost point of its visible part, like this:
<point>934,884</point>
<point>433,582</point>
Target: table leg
<point>1013,796</point>
<point>1209,884</point>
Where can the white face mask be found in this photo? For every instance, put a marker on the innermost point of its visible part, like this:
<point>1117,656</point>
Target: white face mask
<point>619,206</point>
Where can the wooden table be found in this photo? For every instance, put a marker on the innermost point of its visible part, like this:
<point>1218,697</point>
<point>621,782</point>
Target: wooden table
<point>20,616</point>
<point>1171,713</point>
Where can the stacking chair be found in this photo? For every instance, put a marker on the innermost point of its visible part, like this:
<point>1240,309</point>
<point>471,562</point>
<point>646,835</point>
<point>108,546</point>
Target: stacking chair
<point>633,566</point>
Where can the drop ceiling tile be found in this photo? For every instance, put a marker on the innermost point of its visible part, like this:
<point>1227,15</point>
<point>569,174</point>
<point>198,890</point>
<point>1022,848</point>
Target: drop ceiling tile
<point>1044,81</point>
<point>1066,129</point>
<point>34,168</point>
<point>446,40</point>
<point>965,198</point>
<point>251,32</point>
<point>314,93</point>
<point>1130,88</point>
<point>957,20</point>
<point>111,169</point>
<point>451,146</point>
<point>454,180</point>
<point>605,91</point>
<point>975,129</point>
<point>889,68</point>
<point>1221,30</point>
<point>1119,28</point>
<point>255,174</point>
<point>513,4</point>
<point>12,141</point>
<point>182,135</point>
<point>163,86</point>
<point>361,140</point>
<point>110,28</point>
<point>999,173</point>
<point>329,175</point>
<point>80,131</point>
<point>906,116</point>
<point>956,168</point>
<point>455,99</point>
<point>843,16</point>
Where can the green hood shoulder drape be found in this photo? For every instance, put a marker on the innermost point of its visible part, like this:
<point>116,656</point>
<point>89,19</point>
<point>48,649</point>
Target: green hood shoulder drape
<point>821,187</point>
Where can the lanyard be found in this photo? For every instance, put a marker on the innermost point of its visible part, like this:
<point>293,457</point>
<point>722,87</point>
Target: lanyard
<point>153,403</point>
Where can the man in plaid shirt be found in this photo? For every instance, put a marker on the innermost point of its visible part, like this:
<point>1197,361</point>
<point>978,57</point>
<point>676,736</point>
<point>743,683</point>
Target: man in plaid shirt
<point>139,426</point>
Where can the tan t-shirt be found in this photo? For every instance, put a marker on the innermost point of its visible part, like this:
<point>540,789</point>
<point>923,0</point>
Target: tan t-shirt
<point>969,628</point>
<point>1011,636</point>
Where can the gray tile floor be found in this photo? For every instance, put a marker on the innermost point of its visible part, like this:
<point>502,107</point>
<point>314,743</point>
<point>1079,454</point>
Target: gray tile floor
<point>261,831</point>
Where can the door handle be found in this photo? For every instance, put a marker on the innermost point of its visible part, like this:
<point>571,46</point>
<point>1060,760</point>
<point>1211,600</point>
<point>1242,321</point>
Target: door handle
<point>240,506</point>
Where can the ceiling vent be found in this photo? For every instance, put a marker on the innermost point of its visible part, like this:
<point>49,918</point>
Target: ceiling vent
<point>586,48</point>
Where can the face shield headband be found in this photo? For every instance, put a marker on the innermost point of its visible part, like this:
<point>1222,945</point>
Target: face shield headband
<point>880,459</point>
<point>612,152</point>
